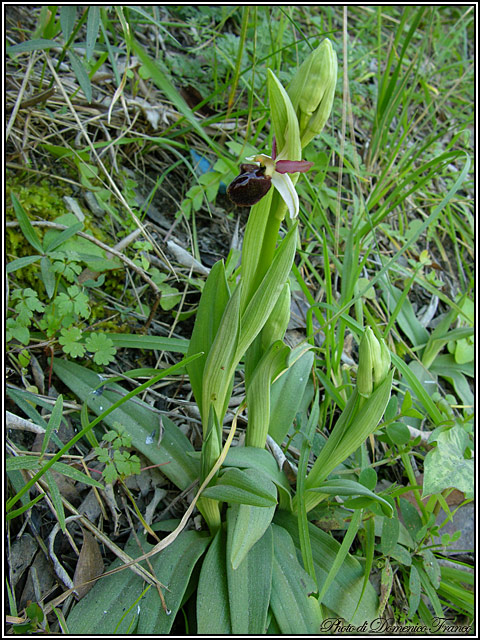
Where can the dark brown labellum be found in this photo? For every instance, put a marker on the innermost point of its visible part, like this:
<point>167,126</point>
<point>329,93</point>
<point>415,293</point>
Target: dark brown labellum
<point>250,186</point>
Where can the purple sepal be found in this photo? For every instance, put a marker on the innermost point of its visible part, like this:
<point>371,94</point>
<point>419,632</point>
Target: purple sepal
<point>293,166</point>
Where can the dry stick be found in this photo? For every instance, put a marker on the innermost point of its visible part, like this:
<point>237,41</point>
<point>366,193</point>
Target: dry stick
<point>18,101</point>
<point>137,540</point>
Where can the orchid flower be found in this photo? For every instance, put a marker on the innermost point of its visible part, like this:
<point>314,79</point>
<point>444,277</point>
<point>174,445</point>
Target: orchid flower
<point>256,179</point>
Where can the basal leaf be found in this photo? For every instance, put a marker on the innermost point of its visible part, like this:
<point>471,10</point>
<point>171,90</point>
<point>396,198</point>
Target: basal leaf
<point>249,585</point>
<point>213,610</point>
<point>295,610</point>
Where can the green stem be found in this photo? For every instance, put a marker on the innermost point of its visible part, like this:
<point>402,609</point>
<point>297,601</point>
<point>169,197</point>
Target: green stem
<point>268,246</point>
<point>210,510</point>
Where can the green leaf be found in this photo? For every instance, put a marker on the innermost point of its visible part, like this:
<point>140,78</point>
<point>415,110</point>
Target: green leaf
<point>248,524</point>
<point>175,565</point>
<point>255,458</point>
<point>272,363</point>
<point>19,263</point>
<point>25,507</point>
<point>356,423</point>
<point>390,533</point>
<point>81,75</point>
<point>266,295</point>
<point>342,553</point>
<point>102,348</point>
<point>398,433</point>
<point>134,341</point>
<point>93,24</point>
<point>345,591</point>
<point>249,585</point>
<point>407,319</point>
<point>350,488</point>
<point>399,553</point>
<point>38,44</point>
<point>56,499</point>
<point>53,423</point>
<point>26,226</point>
<point>411,517</point>
<point>209,314</point>
<point>48,275</point>
<point>22,462</point>
<point>286,396</point>
<point>213,610</point>
<point>243,487</point>
<point>415,591</point>
<point>446,367</point>
<point>412,381</point>
<point>432,568</point>
<point>68,16</point>
<point>76,475</point>
<point>69,340</point>
<point>51,242</point>
<point>386,583</point>
<point>221,361</point>
<point>445,467</point>
<point>295,611</point>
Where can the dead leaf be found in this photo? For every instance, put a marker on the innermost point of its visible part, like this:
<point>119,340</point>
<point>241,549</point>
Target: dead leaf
<point>89,565</point>
<point>22,552</point>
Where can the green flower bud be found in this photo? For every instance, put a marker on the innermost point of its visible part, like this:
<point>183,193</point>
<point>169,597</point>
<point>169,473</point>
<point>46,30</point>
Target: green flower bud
<point>381,367</point>
<point>369,352</point>
<point>312,90</point>
<point>373,363</point>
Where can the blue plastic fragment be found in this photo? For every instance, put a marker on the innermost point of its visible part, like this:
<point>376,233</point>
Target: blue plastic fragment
<point>202,165</point>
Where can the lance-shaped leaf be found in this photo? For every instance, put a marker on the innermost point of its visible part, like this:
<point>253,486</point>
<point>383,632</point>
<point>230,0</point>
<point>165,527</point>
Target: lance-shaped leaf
<point>214,299</point>
<point>213,612</point>
<point>295,611</point>
<point>270,366</point>
<point>346,589</point>
<point>138,420</point>
<point>286,396</point>
<point>247,524</point>
<point>265,297</point>
<point>249,586</point>
<point>243,487</point>
<point>108,606</point>
<point>221,361</point>
<point>344,487</point>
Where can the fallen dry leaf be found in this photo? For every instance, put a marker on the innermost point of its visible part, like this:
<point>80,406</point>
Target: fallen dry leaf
<point>89,565</point>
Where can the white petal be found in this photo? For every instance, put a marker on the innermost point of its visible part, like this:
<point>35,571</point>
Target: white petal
<point>284,185</point>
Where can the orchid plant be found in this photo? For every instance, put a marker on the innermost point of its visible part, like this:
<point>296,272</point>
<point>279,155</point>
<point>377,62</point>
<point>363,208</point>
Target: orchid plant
<point>248,324</point>
<point>262,567</point>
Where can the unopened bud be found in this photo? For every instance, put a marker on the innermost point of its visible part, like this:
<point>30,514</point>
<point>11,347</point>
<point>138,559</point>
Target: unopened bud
<point>369,350</point>
<point>312,90</point>
<point>381,367</point>
<point>373,363</point>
